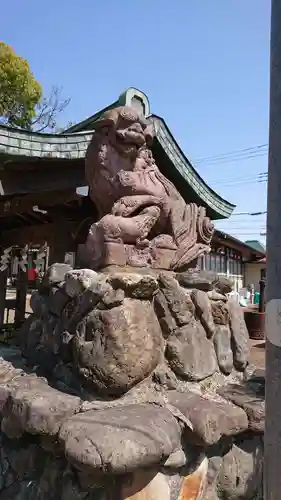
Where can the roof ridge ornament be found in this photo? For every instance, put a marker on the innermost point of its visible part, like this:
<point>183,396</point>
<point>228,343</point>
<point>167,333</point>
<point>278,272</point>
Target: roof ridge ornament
<point>136,99</point>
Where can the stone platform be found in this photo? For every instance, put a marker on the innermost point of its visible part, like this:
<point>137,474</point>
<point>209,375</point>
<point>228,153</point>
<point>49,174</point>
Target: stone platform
<point>131,386</point>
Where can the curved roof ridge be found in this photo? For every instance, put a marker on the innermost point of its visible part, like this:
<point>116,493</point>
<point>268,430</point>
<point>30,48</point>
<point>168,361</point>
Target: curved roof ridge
<point>176,154</point>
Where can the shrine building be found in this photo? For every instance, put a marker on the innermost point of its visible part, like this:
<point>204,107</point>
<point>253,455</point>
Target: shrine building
<point>45,210</point>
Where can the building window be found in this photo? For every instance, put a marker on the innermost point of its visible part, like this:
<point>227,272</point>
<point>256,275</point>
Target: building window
<point>240,266</point>
<point>213,262</point>
<point>235,263</point>
<point>218,263</point>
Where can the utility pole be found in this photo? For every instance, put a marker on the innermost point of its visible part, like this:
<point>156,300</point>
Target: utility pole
<point>272,475</point>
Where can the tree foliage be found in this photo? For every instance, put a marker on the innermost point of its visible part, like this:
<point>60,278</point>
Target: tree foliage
<point>22,103</point>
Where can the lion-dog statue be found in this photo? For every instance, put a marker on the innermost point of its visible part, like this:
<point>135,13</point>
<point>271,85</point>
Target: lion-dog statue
<point>143,220</point>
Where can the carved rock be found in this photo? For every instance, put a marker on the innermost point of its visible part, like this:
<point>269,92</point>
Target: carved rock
<point>239,335</point>
<point>204,311</point>
<point>222,285</point>
<point>30,335</point>
<point>179,302</point>
<point>210,419</point>
<point>108,311</point>
<point>151,441</point>
<point>120,439</point>
<point>165,377</point>
<point>77,281</point>
<point>57,300</point>
<point>137,338</point>
<point>201,280</point>
<point>39,304</point>
<point>190,354</point>
<point>167,322</point>
<point>240,475</point>
<point>213,295</point>
<point>112,298</point>
<point>222,343</point>
<point>54,274</point>
<point>31,405</point>
<point>220,312</point>
<point>137,286</point>
<point>44,352</point>
<point>117,348</point>
<point>251,400</point>
<point>7,372</point>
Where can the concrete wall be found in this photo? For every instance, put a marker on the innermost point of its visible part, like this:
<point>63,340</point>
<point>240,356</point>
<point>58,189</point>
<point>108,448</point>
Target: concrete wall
<point>253,274</point>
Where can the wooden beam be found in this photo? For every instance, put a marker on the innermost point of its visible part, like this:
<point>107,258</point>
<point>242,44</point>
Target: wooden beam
<point>36,235</point>
<point>63,241</point>
<point>42,179</point>
<point>24,204</point>
<point>33,235</point>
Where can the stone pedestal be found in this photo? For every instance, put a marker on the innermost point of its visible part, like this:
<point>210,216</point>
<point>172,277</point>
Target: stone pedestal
<point>140,389</point>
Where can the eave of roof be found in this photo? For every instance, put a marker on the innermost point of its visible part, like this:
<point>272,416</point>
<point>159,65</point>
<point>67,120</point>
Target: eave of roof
<point>74,143</point>
<point>188,172</point>
<point>242,244</point>
<point>256,245</point>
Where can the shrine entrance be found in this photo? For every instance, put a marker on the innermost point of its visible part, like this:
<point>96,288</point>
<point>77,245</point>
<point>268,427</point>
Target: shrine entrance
<point>32,240</point>
<point>20,270</point>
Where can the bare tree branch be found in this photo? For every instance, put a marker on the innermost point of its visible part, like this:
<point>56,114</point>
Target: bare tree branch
<point>48,109</point>
<point>47,112</point>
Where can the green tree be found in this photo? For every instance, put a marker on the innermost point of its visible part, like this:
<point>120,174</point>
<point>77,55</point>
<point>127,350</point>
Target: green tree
<point>19,91</point>
<point>22,103</point>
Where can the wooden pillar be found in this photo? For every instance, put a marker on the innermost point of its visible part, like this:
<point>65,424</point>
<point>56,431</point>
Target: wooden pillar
<point>62,241</point>
<point>21,291</point>
<point>262,296</point>
<point>3,289</point>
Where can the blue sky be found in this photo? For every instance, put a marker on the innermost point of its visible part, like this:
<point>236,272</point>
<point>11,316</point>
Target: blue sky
<point>203,64</point>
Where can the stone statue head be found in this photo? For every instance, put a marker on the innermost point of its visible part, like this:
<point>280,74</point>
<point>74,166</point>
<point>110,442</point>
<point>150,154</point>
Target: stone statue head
<point>126,129</point>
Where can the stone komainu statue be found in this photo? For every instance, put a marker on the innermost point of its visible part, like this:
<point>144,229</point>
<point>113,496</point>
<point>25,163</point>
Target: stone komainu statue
<point>144,221</point>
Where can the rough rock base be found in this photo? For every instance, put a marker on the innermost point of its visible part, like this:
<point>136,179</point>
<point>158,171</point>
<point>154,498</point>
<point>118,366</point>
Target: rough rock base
<point>131,386</point>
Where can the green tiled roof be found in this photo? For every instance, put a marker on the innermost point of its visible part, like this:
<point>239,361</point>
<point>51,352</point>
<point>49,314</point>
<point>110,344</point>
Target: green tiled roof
<point>21,143</point>
<point>73,144</point>
<point>256,245</point>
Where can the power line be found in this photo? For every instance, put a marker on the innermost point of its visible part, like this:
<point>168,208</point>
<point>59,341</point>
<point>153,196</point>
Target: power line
<point>260,175</point>
<point>233,159</point>
<point>249,150</point>
<point>240,183</point>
